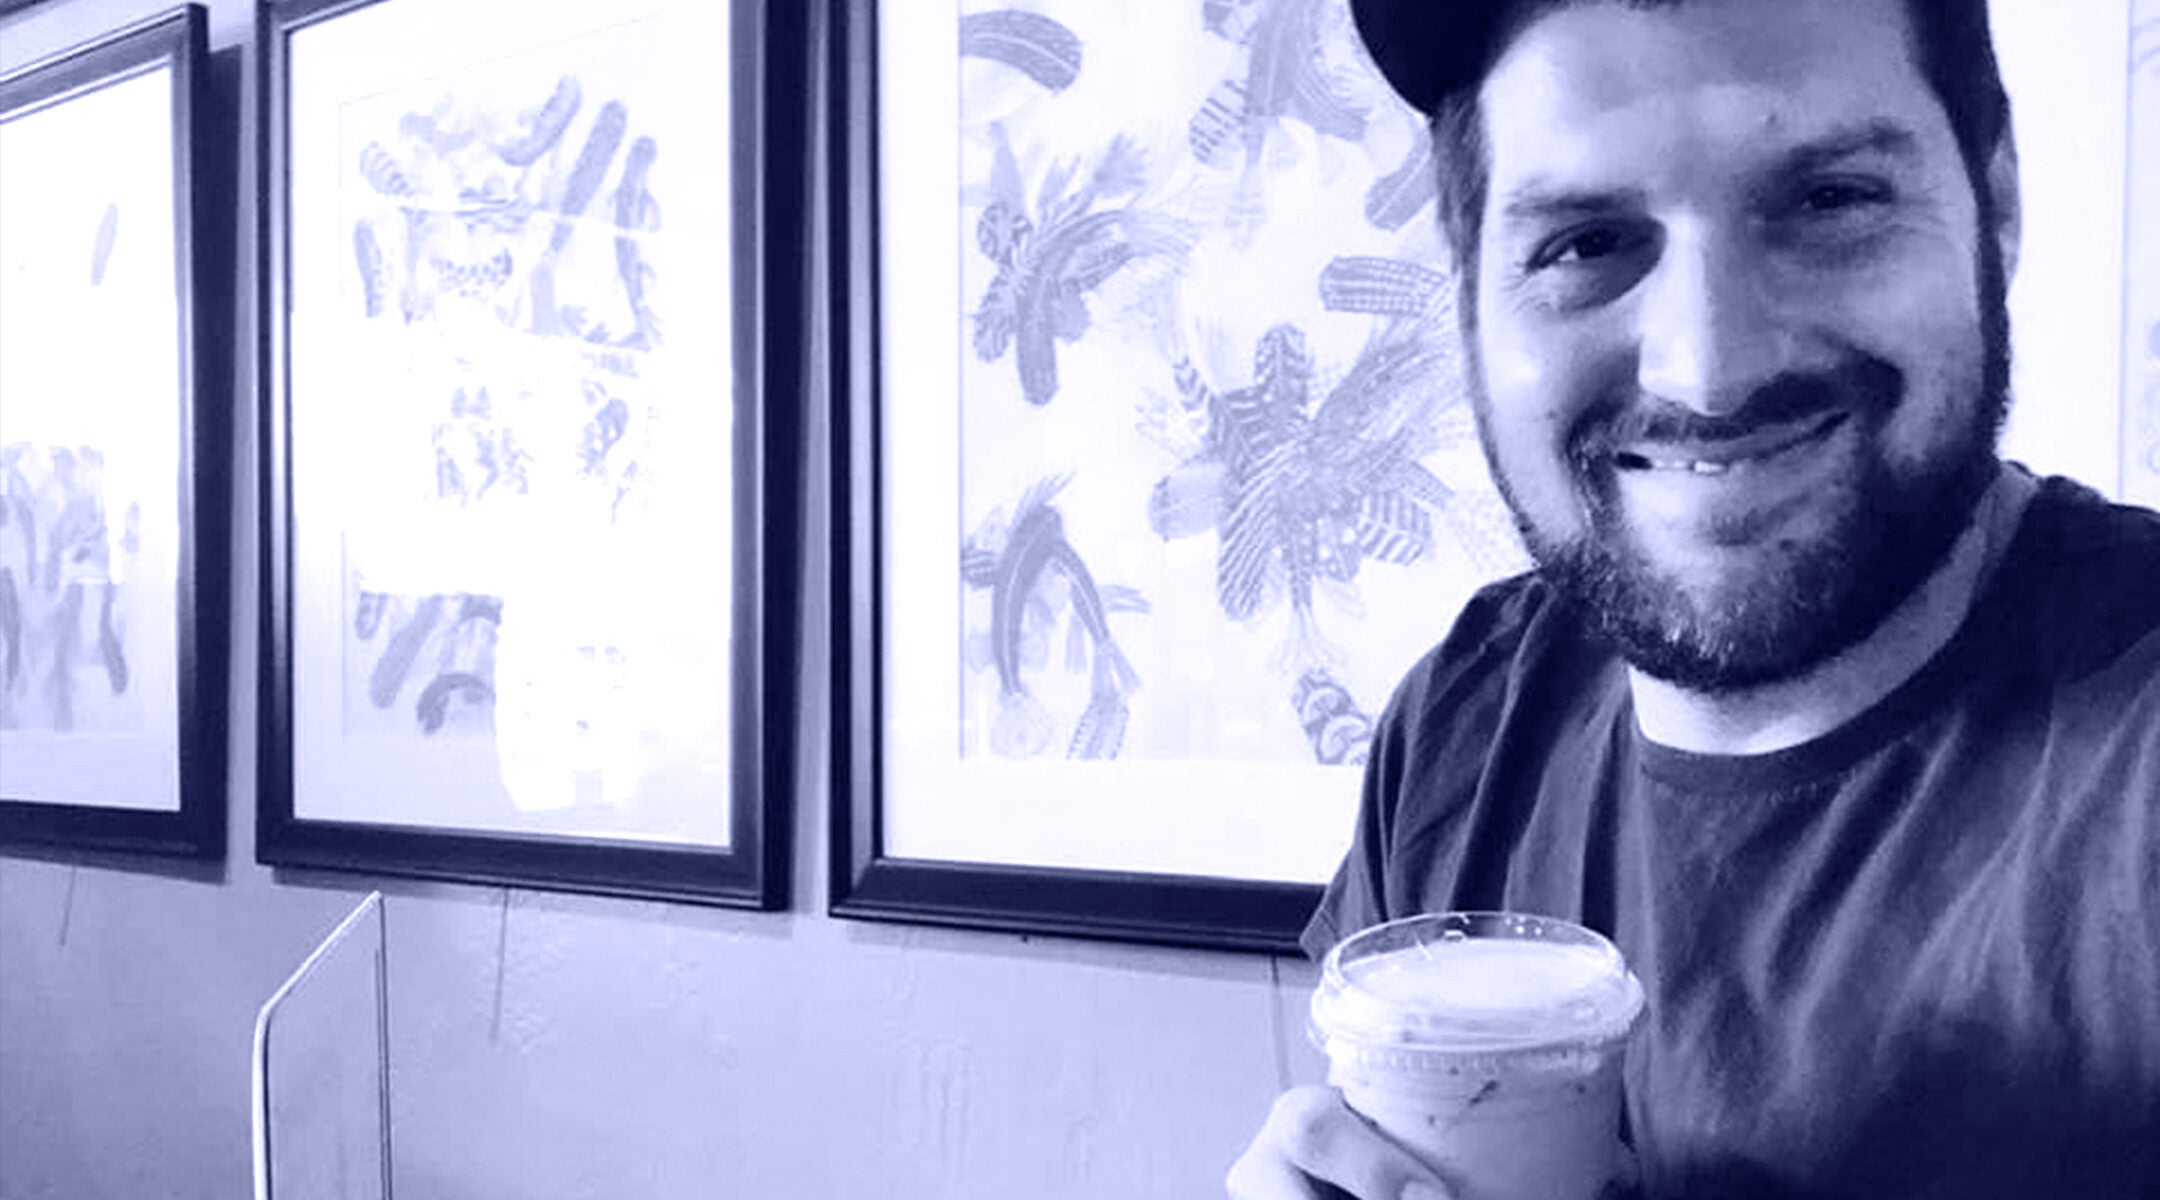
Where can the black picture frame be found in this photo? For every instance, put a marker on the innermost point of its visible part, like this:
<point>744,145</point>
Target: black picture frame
<point>764,79</point>
<point>191,718</point>
<point>867,881</point>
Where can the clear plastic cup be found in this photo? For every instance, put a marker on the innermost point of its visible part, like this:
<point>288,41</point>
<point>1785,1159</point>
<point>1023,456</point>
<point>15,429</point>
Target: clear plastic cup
<point>1488,1044</point>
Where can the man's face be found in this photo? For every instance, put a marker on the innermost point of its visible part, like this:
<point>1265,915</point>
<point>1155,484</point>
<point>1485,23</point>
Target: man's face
<point>1728,335</point>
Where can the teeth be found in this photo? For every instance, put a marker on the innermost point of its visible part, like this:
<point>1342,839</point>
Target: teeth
<point>1686,464</point>
<point>1636,461</point>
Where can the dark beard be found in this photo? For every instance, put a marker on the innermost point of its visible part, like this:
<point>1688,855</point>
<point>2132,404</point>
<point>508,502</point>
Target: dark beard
<point>1898,529</point>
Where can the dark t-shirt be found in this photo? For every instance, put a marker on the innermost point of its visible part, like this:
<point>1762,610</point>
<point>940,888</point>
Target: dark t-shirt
<point>1916,957</point>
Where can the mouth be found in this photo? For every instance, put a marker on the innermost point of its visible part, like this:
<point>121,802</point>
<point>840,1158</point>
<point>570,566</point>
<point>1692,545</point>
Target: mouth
<point>1757,448</point>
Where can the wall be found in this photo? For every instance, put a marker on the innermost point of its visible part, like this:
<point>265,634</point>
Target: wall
<point>2065,66</point>
<point>558,1047</point>
<point>551,1046</point>
<point>2141,265</point>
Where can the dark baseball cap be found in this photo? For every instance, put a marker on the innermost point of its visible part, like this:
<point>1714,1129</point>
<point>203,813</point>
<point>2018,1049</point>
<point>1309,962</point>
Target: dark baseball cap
<point>1428,48</point>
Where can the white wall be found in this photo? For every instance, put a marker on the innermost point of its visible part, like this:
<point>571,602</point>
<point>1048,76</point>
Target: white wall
<point>554,1047</point>
<point>2141,259</point>
<point>2064,63</point>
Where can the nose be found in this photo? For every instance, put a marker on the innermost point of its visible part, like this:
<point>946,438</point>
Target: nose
<point>1708,332</point>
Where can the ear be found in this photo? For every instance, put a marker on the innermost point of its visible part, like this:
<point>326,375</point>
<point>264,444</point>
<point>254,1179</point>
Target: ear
<point>2002,185</point>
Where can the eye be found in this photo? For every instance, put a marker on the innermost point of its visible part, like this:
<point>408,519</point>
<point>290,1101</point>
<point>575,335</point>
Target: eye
<point>1837,214</point>
<point>1586,245</point>
<point>1842,195</point>
<point>1589,264</point>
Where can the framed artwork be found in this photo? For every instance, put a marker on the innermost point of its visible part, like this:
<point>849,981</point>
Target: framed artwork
<point>113,476</point>
<point>528,477</point>
<point>1153,458</point>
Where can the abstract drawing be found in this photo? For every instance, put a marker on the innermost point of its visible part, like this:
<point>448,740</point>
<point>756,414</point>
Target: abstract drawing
<point>63,631</point>
<point>521,519</point>
<point>430,660</point>
<point>114,442</point>
<point>509,222</point>
<point>83,537</point>
<point>1229,331</point>
<point>1038,582</point>
<point>1299,489</point>
<point>1050,254</point>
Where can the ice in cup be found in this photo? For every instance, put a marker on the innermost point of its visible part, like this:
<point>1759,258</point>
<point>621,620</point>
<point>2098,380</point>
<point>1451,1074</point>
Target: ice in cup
<point>1489,1044</point>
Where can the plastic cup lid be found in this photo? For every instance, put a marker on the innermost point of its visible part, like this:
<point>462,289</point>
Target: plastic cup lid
<point>1474,985</point>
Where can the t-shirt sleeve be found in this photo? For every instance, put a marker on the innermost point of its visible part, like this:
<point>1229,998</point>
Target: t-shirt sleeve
<point>1356,896</point>
<point>1426,752</point>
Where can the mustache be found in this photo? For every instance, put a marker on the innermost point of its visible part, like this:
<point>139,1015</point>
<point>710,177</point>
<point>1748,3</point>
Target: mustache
<point>1862,385</point>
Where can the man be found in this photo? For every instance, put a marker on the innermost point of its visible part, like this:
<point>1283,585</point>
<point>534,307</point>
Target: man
<point>1845,731</point>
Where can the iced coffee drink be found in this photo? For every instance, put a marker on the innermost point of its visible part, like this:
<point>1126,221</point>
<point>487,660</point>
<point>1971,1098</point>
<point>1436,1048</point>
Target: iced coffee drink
<point>1489,1044</point>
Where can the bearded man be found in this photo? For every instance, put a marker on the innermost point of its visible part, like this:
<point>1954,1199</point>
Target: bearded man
<point>1845,731</point>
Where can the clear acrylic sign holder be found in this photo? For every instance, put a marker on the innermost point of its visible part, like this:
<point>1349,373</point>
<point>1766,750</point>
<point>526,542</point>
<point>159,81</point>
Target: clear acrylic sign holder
<point>321,1075</point>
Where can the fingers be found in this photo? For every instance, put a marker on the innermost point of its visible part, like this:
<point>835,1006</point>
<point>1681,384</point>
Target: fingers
<point>1313,1147</point>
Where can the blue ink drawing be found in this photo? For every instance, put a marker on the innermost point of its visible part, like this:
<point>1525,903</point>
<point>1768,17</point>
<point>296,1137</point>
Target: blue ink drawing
<point>101,247</point>
<point>1035,45</point>
<point>1037,582</point>
<point>62,632</point>
<point>1286,78</point>
<point>1050,254</point>
<point>530,211</point>
<point>1302,490</point>
<point>1340,731</point>
<point>434,656</point>
<point>481,206</point>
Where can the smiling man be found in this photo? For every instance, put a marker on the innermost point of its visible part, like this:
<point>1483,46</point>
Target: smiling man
<point>1847,732</point>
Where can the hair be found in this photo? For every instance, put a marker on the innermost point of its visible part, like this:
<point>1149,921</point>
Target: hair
<point>1951,40</point>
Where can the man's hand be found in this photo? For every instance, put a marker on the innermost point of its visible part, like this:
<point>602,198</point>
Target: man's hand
<point>1314,1147</point>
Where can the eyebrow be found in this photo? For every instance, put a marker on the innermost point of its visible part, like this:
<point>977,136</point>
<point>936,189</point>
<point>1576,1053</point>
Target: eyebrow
<point>1538,199</point>
<point>1879,136</point>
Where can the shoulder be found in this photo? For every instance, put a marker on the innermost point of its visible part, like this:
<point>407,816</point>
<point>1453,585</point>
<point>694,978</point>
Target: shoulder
<point>2094,600</point>
<point>2071,642</point>
<point>2086,576</point>
<point>1433,745</point>
<point>2077,528</point>
<point>1511,650</point>
<point>1500,633</point>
